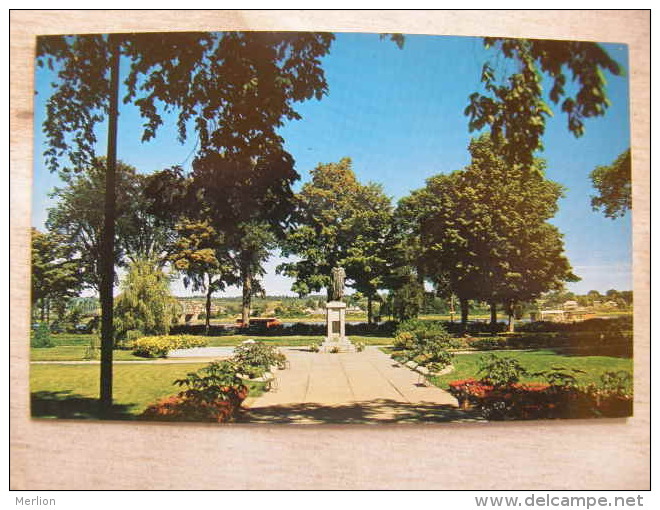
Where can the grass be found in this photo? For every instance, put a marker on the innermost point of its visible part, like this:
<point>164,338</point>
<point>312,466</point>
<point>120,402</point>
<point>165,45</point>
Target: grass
<point>467,365</point>
<point>75,353</point>
<point>134,386</point>
<point>71,391</point>
<point>73,347</point>
<point>292,341</point>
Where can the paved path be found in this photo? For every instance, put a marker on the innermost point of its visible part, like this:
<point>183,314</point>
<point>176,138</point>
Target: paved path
<point>366,387</point>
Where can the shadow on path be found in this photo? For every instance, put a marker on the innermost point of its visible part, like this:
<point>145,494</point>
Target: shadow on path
<point>380,411</point>
<point>67,405</point>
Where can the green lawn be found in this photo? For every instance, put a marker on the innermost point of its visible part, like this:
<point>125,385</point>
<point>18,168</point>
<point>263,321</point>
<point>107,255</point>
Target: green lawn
<point>74,353</point>
<point>292,341</point>
<point>71,391</point>
<point>73,347</point>
<point>467,365</point>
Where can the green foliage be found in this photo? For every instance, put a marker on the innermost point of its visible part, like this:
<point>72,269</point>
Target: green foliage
<point>314,347</point>
<point>406,297</point>
<point>338,222</point>
<point>501,371</point>
<point>614,186</point>
<point>145,302</point>
<point>201,254</point>
<point>77,217</point>
<point>56,273</point>
<point>359,346</point>
<point>425,342</point>
<point>212,382</point>
<point>212,393</point>
<point>404,340</point>
<point>40,337</point>
<point>93,349</point>
<point>484,231</point>
<point>422,333</point>
<point>618,382</point>
<point>488,343</point>
<point>514,107</point>
<point>236,88</point>
<point>255,358</point>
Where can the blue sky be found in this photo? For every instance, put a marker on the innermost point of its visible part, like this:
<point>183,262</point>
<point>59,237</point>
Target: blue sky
<point>398,113</point>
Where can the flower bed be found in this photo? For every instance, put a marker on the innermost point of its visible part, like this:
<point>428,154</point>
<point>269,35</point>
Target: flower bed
<point>539,400</point>
<point>183,408</point>
<point>160,346</point>
<point>213,393</point>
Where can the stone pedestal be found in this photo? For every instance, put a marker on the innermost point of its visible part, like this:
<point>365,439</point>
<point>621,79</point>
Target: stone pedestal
<point>336,339</point>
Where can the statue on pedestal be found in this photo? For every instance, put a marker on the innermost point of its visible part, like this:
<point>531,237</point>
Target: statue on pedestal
<point>336,340</point>
<point>337,287</point>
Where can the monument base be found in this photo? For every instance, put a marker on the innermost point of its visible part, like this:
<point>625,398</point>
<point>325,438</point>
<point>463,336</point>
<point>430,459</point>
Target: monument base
<point>336,339</point>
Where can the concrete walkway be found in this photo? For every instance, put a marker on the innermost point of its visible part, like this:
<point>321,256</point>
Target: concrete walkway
<point>366,387</point>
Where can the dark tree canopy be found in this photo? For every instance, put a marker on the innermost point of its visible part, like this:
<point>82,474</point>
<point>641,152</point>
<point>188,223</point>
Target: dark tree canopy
<point>78,217</point>
<point>514,108</point>
<point>614,186</point>
<point>484,230</point>
<point>55,268</point>
<point>234,88</point>
<point>338,222</point>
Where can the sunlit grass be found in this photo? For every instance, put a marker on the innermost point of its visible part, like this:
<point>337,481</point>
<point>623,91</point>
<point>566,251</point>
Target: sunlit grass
<point>467,365</point>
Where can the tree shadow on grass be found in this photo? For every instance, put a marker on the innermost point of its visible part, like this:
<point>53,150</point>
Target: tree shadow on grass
<point>67,405</point>
<point>381,411</point>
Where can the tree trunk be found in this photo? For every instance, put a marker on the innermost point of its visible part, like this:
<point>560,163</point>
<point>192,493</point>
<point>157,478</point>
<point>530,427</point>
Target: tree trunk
<point>370,311</point>
<point>207,322</point>
<point>493,314</point>
<point>246,276</point>
<point>509,311</point>
<point>465,310</point>
<point>107,263</point>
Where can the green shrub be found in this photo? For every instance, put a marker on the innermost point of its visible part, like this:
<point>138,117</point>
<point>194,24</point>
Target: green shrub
<point>425,334</point>
<point>314,347</point>
<point>500,371</point>
<point>40,337</point>
<point>359,346</point>
<point>131,336</point>
<point>404,340</point>
<point>617,383</point>
<point>256,358</point>
<point>93,350</point>
<point>213,393</point>
<point>488,343</point>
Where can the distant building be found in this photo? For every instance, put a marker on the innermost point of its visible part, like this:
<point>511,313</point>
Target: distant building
<point>579,314</point>
<point>552,315</point>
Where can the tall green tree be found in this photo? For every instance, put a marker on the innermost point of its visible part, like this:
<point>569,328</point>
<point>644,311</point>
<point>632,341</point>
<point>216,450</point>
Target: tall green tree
<point>145,302</point>
<point>485,231</point>
<point>614,186</point>
<point>201,255</point>
<point>513,105</point>
<point>235,88</point>
<point>338,222</point>
<point>77,216</point>
<point>250,201</point>
<point>56,271</point>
